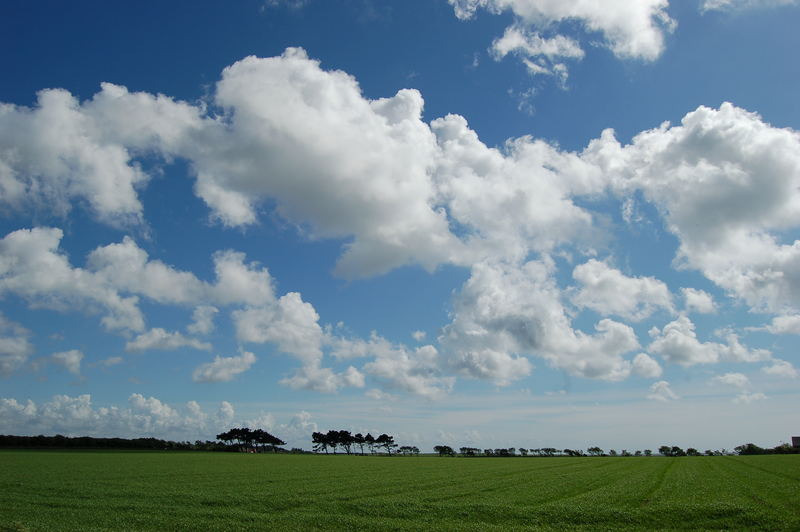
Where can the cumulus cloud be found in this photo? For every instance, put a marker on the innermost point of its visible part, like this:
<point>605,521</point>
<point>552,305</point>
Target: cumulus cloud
<point>224,369</point>
<point>781,368</point>
<point>741,383</point>
<point>69,360</point>
<point>698,301</point>
<point>677,343</point>
<point>15,346</point>
<point>417,371</point>
<point>540,55</point>
<point>161,340</point>
<point>645,366</point>
<point>726,184</point>
<point>609,292</point>
<point>325,380</point>
<point>505,313</point>
<point>661,391</point>
<point>631,29</point>
<point>33,266</point>
<point>202,320</point>
<point>785,325</point>
<point>143,416</point>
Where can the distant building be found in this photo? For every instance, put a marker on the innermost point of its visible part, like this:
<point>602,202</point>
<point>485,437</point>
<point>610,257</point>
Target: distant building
<point>796,442</point>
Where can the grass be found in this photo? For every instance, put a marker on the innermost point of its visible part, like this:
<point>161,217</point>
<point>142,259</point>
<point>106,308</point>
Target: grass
<point>50,490</point>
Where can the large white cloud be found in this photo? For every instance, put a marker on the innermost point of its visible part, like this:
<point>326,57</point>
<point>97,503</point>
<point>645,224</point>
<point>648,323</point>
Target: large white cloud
<point>504,313</point>
<point>727,185</point>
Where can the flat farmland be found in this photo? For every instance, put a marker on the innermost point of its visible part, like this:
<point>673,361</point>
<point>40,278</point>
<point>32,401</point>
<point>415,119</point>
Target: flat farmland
<point>74,490</point>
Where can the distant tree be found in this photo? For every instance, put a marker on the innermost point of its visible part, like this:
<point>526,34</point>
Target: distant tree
<point>691,451</point>
<point>444,450</point>
<point>320,442</point>
<point>469,451</point>
<point>612,452</point>
<point>677,451</point>
<point>345,440</point>
<point>625,452</point>
<point>387,442</point>
<point>665,450</point>
<point>369,439</point>
<point>488,452</point>
<point>748,448</point>
<point>359,440</point>
<point>708,452</point>
<point>523,451</point>
<point>595,451</point>
<point>648,452</point>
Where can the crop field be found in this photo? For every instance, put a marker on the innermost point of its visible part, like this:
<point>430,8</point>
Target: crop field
<point>51,490</point>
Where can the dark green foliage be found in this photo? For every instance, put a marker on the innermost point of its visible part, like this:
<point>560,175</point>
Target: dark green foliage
<point>88,491</point>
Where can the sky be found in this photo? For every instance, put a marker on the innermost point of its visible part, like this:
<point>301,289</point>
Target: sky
<point>489,223</point>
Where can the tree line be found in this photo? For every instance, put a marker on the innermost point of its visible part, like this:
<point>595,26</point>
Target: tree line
<point>664,450</point>
<point>351,443</point>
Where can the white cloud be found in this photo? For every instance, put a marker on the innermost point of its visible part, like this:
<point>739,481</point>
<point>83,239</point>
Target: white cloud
<point>725,182</point>
<point>70,360</point>
<point>661,391</point>
<point>419,335</point>
<point>733,5</point>
<point>143,416</point>
<point>631,29</point>
<point>677,343</point>
<point>540,54</point>
<point>224,369</point>
<point>15,347</point>
<point>202,320</point>
<point>162,340</point>
<point>325,380</point>
<point>110,361</point>
<point>336,163</point>
<point>32,266</point>
<point>290,323</point>
<point>504,312</point>
<point>735,380</point>
<point>645,366</point>
<point>781,368</point>
<point>698,301</point>
<point>610,292</point>
<point>785,325</point>
<point>747,398</point>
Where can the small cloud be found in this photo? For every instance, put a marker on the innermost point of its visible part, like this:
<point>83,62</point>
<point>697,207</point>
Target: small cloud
<point>70,360</point>
<point>419,335</point>
<point>781,368</point>
<point>660,391</point>
<point>224,369</point>
<point>747,398</point>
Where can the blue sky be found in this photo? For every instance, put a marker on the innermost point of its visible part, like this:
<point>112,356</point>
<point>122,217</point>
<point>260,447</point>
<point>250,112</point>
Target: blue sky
<point>469,222</point>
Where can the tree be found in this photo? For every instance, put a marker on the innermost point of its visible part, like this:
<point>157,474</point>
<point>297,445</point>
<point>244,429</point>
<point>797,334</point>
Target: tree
<point>691,451</point>
<point>345,440</point>
<point>265,439</point>
<point>369,439</point>
<point>648,452</point>
<point>444,450</point>
<point>359,440</point>
<point>595,451</point>
<point>320,441</point>
<point>387,442</point>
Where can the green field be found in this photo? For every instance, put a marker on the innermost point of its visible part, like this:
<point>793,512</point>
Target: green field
<point>51,490</point>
